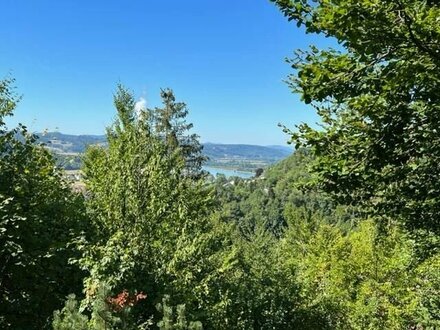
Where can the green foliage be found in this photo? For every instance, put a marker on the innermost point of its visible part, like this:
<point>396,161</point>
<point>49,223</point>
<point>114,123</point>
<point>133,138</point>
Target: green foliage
<point>233,283</point>
<point>263,201</point>
<point>428,285</point>
<point>336,271</point>
<point>169,123</point>
<point>68,162</point>
<point>39,217</point>
<point>379,104</point>
<point>360,280</point>
<point>102,316</point>
<point>377,150</point>
<point>141,204</point>
<point>70,317</point>
<point>273,252</point>
<point>257,293</point>
<point>175,322</point>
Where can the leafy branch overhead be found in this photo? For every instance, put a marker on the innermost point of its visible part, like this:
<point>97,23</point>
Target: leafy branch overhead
<point>379,102</point>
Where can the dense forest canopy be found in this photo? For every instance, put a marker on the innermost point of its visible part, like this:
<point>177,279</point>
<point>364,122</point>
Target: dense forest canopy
<point>343,234</point>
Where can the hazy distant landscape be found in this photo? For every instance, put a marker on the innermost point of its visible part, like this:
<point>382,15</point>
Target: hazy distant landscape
<point>233,157</point>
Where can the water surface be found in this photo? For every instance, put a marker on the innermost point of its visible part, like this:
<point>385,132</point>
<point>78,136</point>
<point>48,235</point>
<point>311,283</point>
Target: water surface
<point>228,173</point>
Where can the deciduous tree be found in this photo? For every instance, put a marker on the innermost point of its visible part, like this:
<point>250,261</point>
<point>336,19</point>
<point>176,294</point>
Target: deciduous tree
<point>141,204</point>
<point>39,217</point>
<point>378,99</point>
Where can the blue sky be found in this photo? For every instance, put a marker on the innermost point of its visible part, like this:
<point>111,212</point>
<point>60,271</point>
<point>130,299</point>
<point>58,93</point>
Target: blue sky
<point>225,59</point>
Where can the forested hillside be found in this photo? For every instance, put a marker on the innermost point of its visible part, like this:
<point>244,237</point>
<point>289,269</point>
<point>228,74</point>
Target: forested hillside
<point>68,150</point>
<point>68,143</point>
<point>342,234</point>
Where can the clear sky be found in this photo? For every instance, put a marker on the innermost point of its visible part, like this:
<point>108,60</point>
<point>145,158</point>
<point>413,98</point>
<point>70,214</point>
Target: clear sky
<point>225,59</point>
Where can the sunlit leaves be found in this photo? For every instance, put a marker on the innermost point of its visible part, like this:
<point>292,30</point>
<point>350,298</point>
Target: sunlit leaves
<point>378,100</point>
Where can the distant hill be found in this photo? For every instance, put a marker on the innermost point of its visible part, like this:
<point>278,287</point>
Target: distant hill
<point>233,156</point>
<point>288,149</point>
<point>66,143</point>
<point>245,151</point>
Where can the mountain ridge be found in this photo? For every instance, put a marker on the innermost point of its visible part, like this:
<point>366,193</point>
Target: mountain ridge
<point>238,156</point>
<point>79,142</point>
